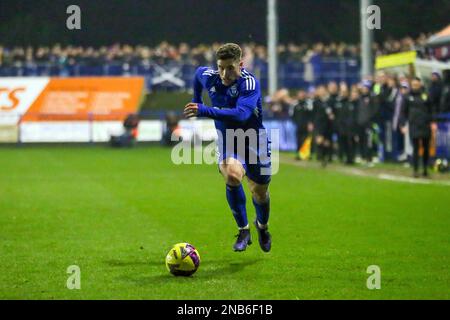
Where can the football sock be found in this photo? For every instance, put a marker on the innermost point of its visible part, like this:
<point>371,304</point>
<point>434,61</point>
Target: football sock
<point>236,201</point>
<point>262,212</point>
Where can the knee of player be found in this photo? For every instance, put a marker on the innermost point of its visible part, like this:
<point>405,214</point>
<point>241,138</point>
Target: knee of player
<point>234,177</point>
<point>260,196</point>
<point>234,180</point>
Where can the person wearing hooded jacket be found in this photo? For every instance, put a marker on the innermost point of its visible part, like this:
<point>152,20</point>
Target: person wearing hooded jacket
<point>417,111</point>
<point>366,114</point>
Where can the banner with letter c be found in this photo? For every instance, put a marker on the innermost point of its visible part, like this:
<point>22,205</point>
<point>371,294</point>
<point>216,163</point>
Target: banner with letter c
<point>64,100</point>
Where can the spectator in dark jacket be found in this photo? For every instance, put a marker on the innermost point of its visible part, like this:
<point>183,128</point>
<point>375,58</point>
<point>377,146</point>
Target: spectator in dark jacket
<point>398,138</point>
<point>333,91</point>
<point>302,117</point>
<point>323,125</point>
<point>386,125</point>
<point>417,111</point>
<point>365,117</point>
<point>346,122</point>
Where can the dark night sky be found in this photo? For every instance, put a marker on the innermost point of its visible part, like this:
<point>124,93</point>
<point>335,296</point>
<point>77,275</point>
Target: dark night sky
<point>205,21</point>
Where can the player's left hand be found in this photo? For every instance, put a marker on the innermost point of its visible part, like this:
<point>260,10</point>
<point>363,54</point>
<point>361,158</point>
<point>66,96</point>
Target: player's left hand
<point>191,110</point>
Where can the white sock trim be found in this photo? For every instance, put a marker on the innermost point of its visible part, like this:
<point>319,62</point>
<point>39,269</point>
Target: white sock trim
<point>262,226</point>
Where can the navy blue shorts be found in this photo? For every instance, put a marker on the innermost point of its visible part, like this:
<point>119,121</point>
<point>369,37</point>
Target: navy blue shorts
<point>258,171</point>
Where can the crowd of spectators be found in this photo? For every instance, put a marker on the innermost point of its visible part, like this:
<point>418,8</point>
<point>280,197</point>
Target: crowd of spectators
<point>381,96</point>
<point>366,121</point>
<point>165,53</point>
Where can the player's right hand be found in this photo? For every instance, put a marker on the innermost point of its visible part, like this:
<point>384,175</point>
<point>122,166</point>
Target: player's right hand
<point>191,110</point>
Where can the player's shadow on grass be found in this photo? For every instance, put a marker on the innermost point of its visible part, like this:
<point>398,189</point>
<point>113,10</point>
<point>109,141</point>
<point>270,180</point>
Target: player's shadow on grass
<point>213,268</point>
<point>208,269</point>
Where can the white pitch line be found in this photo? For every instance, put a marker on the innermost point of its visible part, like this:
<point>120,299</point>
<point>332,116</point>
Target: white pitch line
<point>395,178</point>
<point>391,177</point>
<point>382,176</point>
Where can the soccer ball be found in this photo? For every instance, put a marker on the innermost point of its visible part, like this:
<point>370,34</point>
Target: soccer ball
<point>441,165</point>
<point>182,260</point>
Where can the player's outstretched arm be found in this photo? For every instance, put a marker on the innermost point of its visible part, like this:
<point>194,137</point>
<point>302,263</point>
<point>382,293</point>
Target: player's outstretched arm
<point>244,109</point>
<point>239,114</point>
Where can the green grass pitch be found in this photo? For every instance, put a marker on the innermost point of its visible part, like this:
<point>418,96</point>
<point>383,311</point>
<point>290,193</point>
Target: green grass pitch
<point>116,213</point>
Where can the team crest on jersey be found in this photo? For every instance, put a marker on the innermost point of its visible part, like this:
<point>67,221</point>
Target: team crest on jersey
<point>233,91</point>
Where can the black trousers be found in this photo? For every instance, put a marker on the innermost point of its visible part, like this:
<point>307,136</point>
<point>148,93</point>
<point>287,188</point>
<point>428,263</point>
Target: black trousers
<point>347,147</point>
<point>365,143</point>
<point>342,145</point>
<point>426,153</point>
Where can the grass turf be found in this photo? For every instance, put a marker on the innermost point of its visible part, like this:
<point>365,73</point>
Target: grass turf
<point>116,213</point>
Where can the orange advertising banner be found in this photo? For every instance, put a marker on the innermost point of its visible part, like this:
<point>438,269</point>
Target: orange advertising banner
<point>90,98</point>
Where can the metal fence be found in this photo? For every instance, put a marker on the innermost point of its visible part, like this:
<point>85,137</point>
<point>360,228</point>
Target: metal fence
<point>178,76</point>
